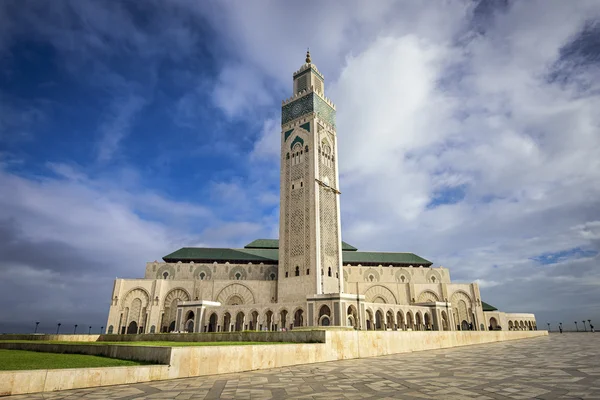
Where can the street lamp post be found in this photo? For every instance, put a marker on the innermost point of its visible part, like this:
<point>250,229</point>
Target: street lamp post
<point>560,327</point>
<point>584,327</point>
<point>90,330</point>
<point>548,326</point>
<point>75,329</point>
<point>36,326</point>
<point>590,322</point>
<point>576,327</point>
<point>58,327</point>
<point>101,329</point>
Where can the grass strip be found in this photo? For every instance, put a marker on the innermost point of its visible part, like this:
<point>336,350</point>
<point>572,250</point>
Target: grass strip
<point>12,360</point>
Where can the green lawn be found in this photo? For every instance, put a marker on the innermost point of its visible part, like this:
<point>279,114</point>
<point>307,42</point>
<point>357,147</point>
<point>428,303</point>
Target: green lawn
<point>11,360</point>
<point>151,343</point>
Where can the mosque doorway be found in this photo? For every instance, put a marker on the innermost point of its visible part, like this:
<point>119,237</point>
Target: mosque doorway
<point>132,328</point>
<point>379,320</point>
<point>493,324</point>
<point>427,319</point>
<point>171,326</point>
<point>324,316</point>
<point>226,322</point>
<point>189,325</point>
<point>254,321</point>
<point>269,320</point>
<point>464,325</point>
<point>239,322</point>
<point>299,317</point>
<point>212,323</point>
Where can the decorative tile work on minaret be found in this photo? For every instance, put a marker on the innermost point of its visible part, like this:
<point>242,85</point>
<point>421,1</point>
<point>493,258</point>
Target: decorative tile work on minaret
<point>310,242</point>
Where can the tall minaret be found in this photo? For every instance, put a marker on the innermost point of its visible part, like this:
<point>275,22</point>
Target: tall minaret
<point>310,253</point>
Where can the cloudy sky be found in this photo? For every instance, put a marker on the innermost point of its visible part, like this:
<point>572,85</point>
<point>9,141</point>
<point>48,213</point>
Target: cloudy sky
<point>468,134</point>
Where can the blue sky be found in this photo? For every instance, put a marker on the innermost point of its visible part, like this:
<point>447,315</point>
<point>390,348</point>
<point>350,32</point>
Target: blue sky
<point>468,134</point>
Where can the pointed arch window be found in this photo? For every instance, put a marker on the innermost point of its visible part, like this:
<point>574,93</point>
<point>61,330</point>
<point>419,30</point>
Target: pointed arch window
<point>297,271</point>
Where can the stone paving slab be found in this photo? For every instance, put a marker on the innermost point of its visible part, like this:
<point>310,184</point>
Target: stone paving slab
<point>558,366</point>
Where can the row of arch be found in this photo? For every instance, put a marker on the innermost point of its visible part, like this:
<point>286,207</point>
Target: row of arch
<point>244,321</point>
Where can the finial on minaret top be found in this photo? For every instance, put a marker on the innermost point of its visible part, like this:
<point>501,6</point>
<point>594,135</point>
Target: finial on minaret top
<point>308,56</point>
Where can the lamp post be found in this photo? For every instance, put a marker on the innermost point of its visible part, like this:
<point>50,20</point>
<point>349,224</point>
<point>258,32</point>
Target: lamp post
<point>576,327</point>
<point>591,327</point>
<point>560,327</point>
<point>36,326</point>
<point>58,327</point>
<point>90,330</point>
<point>548,326</point>
<point>584,327</point>
<point>101,329</point>
<point>75,329</point>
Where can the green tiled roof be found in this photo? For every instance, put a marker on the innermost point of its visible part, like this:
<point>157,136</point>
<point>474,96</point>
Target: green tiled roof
<point>371,257</point>
<point>265,251</point>
<point>488,307</point>
<point>274,244</point>
<point>206,254</point>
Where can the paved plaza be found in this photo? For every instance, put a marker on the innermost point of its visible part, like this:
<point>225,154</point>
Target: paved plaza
<point>563,366</point>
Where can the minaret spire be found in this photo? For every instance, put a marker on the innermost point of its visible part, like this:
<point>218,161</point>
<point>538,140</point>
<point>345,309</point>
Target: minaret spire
<point>308,56</point>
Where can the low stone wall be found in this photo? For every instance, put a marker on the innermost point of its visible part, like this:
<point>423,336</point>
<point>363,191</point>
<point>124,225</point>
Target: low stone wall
<point>54,338</point>
<point>340,345</point>
<point>295,336</point>
<point>150,354</point>
<point>211,360</point>
<point>49,380</point>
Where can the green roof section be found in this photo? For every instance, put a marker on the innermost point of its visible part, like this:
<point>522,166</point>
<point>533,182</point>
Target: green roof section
<point>372,257</point>
<point>263,244</point>
<point>488,307</point>
<point>267,252</point>
<point>207,254</point>
<point>274,244</point>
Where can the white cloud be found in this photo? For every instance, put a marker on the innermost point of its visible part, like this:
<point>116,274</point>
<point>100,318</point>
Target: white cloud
<point>426,105</point>
<point>268,146</point>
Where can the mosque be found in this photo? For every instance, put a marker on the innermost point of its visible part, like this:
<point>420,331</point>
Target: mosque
<point>309,277</point>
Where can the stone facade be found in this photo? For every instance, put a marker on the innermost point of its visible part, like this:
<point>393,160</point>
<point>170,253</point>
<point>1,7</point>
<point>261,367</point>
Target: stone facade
<point>304,280</point>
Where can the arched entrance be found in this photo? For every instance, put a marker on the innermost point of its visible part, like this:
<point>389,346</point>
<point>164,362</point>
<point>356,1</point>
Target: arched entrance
<point>370,322</point>
<point>493,324</point>
<point>400,320</point>
<point>189,324</point>
<point>226,322</point>
<point>445,324</point>
<point>299,317</point>
<point>410,325</point>
<point>324,316</point>
<point>379,320</point>
<point>254,321</point>
<point>464,325</point>
<point>427,319</point>
<point>212,322</point>
<point>239,322</point>
<point>418,321</point>
<point>132,328</point>
<point>171,326</point>
<point>269,320</point>
<point>352,319</point>
<point>510,326</point>
<point>389,320</point>
<point>283,318</point>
